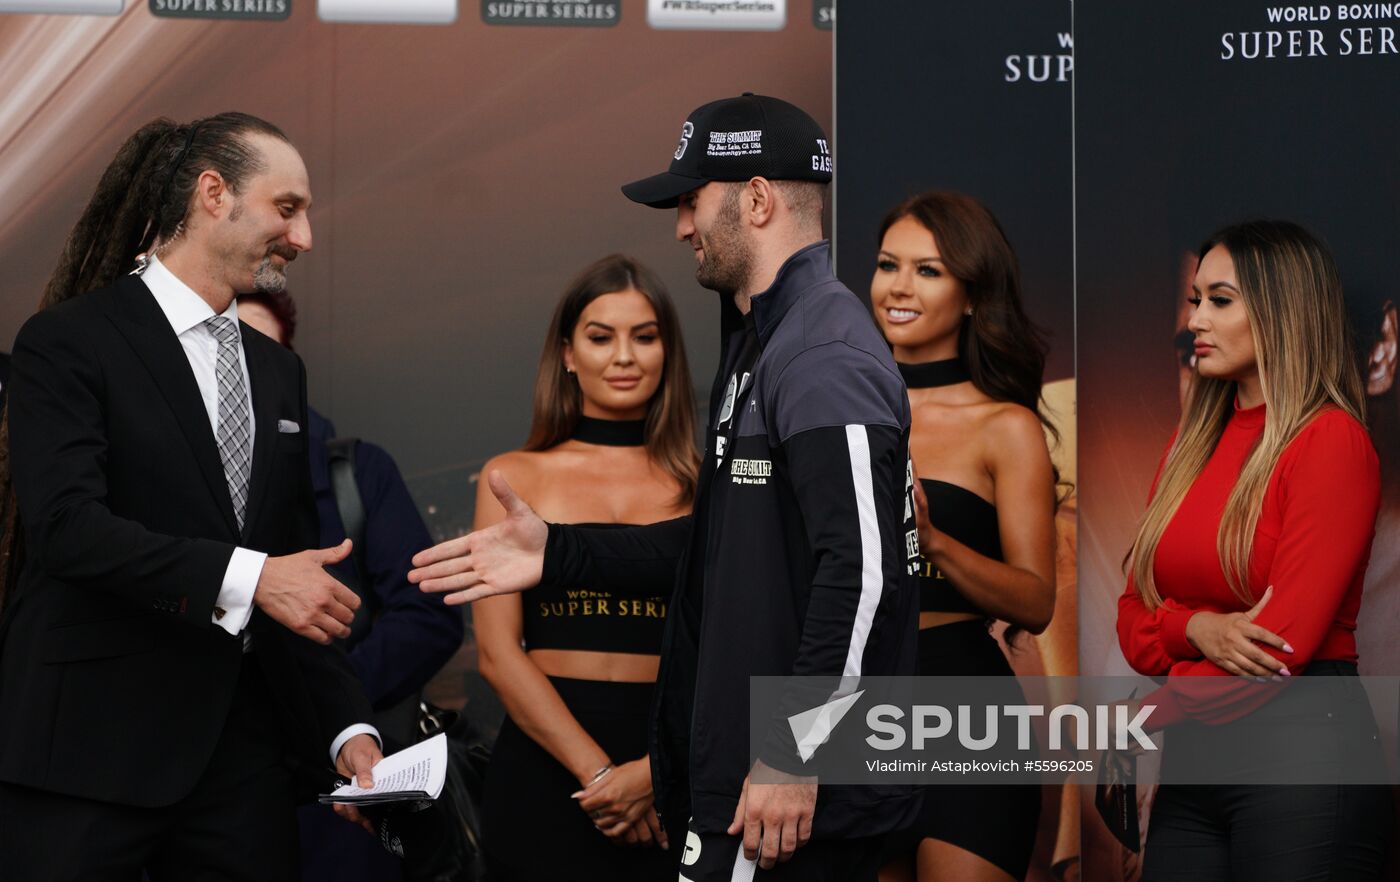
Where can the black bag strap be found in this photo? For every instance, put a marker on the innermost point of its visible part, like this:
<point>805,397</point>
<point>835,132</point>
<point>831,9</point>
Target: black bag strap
<point>340,453</point>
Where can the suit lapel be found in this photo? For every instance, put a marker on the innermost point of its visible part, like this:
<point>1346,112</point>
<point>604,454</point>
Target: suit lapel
<point>263,377</point>
<point>140,320</point>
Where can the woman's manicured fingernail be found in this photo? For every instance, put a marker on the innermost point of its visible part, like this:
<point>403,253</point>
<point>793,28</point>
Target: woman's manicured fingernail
<point>1284,671</point>
<point>1287,648</point>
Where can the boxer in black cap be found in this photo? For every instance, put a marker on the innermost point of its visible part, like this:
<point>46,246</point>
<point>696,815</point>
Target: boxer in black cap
<point>794,560</point>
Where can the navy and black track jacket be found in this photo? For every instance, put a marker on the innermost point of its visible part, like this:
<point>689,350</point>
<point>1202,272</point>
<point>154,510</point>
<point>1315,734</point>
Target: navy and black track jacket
<point>796,559</point>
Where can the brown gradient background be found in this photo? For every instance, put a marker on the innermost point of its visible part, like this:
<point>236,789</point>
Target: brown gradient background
<point>461,174</point>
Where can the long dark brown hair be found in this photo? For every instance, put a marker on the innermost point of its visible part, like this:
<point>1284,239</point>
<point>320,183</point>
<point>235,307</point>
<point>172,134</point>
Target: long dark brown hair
<point>142,199</point>
<point>1003,349</point>
<point>670,419</point>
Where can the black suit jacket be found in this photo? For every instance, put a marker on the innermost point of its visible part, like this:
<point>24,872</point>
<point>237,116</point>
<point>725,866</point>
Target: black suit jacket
<point>114,681</point>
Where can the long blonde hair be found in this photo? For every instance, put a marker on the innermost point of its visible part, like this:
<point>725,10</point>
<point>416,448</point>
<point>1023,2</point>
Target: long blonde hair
<point>1292,294</point>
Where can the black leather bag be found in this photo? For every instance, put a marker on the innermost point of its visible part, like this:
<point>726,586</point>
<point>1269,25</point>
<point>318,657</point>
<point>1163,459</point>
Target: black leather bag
<point>442,841</point>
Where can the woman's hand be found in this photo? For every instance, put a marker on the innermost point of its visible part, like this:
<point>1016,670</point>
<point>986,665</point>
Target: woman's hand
<point>1232,641</point>
<point>928,536</point>
<point>619,804</point>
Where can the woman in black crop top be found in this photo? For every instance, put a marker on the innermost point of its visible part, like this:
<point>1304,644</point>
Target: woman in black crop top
<point>569,788</point>
<point>946,295</point>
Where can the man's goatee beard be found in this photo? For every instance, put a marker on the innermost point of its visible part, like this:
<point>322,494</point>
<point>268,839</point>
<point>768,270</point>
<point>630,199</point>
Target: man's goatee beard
<point>267,279</point>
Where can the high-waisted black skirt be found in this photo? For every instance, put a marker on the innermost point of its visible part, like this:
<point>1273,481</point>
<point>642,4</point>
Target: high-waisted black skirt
<point>532,830</point>
<point>997,822</point>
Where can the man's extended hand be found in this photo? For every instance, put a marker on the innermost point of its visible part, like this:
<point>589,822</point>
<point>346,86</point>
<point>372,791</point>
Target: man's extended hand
<point>775,818</point>
<point>356,760</point>
<point>500,559</point>
<point>296,591</point>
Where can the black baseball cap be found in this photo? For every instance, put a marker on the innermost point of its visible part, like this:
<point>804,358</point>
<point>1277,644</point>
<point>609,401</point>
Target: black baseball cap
<point>735,139</point>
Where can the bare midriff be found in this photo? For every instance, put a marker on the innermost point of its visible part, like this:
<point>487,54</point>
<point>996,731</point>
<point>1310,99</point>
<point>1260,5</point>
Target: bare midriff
<point>611,667</point>
<point>934,619</point>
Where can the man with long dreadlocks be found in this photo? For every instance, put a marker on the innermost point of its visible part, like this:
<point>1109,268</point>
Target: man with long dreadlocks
<point>166,676</point>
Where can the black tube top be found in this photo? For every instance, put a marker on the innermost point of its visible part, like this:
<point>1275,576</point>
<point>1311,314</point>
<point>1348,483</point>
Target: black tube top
<point>581,618</point>
<point>971,520</point>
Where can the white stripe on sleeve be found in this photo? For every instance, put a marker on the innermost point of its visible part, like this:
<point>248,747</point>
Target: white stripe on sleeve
<point>743,867</point>
<point>872,579</point>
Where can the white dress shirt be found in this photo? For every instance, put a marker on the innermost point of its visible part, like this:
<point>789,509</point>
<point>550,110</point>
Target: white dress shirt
<point>187,313</point>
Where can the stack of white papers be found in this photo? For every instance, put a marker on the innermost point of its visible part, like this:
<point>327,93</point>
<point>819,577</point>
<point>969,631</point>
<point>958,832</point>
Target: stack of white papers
<point>413,774</point>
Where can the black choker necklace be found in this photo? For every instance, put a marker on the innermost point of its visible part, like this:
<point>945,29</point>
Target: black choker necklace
<point>947,372</point>
<point>613,433</point>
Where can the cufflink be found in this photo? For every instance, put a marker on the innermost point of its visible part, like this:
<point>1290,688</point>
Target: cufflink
<point>219,612</point>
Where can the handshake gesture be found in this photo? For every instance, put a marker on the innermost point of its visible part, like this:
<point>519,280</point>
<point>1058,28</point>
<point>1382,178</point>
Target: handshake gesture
<point>501,559</point>
<point>297,592</point>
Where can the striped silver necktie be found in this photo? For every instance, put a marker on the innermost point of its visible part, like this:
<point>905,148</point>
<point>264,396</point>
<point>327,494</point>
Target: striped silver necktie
<point>234,437</point>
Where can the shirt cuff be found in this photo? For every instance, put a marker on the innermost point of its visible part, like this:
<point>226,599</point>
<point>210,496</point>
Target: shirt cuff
<point>1174,635</point>
<point>351,732</point>
<point>234,605</point>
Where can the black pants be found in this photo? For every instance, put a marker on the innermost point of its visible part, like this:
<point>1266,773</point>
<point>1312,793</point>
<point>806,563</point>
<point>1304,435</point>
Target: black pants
<point>238,824</point>
<point>1239,831</point>
<point>1218,833</point>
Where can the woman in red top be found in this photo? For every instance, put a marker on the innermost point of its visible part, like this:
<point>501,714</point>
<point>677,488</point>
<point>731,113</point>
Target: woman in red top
<point>1249,562</point>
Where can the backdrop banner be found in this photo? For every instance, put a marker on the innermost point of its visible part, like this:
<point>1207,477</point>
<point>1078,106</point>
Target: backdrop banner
<point>454,198</point>
<point>1188,117</point>
<point>975,97</point>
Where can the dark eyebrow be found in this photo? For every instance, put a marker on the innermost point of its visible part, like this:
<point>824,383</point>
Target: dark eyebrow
<point>634,327</point>
<point>916,260</point>
<point>1214,285</point>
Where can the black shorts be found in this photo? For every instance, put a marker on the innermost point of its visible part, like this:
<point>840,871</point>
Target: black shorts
<point>996,822</point>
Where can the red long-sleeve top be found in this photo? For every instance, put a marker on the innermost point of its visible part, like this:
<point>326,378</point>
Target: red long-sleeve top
<point>1311,544</point>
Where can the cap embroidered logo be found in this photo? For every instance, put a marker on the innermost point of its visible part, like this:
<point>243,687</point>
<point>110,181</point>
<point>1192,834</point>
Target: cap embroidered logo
<point>686,131</point>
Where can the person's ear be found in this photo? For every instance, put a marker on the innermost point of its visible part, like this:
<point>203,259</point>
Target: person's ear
<point>211,193</point>
<point>1380,363</point>
<point>567,354</point>
<point>761,200</point>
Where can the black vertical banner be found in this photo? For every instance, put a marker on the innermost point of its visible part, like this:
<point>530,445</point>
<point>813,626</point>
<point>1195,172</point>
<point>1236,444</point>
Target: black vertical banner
<point>976,98</point>
<point>1190,116</point>
<point>973,97</point>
